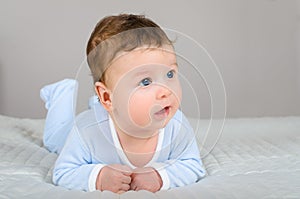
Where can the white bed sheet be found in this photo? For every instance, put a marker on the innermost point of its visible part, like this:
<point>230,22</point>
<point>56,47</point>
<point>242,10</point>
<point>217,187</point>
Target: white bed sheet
<point>254,158</point>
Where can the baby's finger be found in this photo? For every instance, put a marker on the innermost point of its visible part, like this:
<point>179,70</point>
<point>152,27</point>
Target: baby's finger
<point>125,187</point>
<point>126,179</point>
<point>120,192</point>
<point>133,186</point>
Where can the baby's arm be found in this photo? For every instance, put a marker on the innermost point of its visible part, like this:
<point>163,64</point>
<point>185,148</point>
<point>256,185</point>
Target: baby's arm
<point>187,169</point>
<point>73,168</point>
<point>184,165</point>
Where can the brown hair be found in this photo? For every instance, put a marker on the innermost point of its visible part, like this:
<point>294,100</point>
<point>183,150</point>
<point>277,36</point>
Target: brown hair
<point>124,32</point>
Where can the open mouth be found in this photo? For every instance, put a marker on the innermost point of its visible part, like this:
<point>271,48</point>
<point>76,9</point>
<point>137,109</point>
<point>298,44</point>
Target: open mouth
<point>163,113</point>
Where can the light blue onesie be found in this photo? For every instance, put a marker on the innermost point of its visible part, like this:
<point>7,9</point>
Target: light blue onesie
<point>93,143</point>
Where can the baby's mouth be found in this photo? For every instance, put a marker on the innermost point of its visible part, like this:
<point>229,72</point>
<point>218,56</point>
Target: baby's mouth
<point>163,113</point>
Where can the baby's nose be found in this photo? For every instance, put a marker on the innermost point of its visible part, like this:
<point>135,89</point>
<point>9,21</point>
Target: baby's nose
<point>163,92</point>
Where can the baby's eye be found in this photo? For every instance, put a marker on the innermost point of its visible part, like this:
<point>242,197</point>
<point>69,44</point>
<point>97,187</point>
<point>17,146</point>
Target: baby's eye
<point>170,74</point>
<point>145,82</point>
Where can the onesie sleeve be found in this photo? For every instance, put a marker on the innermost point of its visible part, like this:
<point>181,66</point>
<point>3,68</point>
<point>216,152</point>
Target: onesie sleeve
<point>184,165</point>
<point>73,168</point>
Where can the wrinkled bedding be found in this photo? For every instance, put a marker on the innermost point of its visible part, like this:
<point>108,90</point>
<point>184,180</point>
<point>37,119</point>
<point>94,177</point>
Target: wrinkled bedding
<point>254,158</point>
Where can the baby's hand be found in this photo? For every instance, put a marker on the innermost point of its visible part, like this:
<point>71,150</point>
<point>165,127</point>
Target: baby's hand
<point>115,178</point>
<point>145,179</point>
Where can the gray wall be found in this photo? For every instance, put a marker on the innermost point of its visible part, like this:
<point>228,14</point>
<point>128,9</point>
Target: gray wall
<point>255,44</point>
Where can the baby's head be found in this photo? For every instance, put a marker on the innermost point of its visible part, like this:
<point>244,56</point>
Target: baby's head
<point>117,34</point>
<point>135,72</point>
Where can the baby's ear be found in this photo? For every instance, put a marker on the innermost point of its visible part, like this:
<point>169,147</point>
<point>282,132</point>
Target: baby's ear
<point>104,95</point>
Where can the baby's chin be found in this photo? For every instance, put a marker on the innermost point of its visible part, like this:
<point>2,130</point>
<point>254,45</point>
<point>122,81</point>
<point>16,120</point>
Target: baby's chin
<point>146,132</point>
<point>147,135</point>
<point>145,128</point>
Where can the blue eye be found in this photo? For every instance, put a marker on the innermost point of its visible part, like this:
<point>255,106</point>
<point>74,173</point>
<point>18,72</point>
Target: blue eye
<point>170,74</point>
<point>145,82</point>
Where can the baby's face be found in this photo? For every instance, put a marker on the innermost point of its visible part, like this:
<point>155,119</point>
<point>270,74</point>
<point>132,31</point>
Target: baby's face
<point>146,92</point>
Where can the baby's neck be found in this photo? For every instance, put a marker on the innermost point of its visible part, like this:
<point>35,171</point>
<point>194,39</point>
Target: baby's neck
<point>132,142</point>
<point>139,151</point>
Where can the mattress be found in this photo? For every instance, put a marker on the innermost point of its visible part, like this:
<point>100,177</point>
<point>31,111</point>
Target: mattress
<point>252,158</point>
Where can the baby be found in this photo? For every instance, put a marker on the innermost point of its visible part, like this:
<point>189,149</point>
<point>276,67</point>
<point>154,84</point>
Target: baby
<point>134,137</point>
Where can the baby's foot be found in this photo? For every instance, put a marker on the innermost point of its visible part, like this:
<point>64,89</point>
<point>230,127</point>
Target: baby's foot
<point>51,93</point>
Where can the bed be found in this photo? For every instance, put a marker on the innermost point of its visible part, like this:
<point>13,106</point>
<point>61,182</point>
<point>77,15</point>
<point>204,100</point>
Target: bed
<point>254,158</point>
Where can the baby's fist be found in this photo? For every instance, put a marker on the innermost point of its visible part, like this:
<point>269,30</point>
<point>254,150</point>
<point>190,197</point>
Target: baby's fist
<point>115,178</point>
<point>145,179</point>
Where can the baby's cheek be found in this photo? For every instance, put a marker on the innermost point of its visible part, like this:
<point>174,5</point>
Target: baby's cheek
<point>177,92</point>
<point>139,110</point>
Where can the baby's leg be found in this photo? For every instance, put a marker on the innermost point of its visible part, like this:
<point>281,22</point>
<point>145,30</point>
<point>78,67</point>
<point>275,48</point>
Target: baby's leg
<point>60,100</point>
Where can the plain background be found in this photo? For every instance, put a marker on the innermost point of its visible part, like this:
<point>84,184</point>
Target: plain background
<point>255,44</point>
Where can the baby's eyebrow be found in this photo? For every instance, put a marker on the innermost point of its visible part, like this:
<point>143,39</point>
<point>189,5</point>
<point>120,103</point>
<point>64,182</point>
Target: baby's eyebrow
<point>175,64</point>
<point>141,73</point>
<point>148,71</point>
